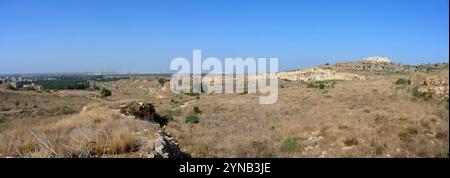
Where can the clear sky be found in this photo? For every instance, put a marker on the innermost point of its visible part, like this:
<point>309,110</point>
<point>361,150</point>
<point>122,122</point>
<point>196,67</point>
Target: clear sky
<point>144,36</point>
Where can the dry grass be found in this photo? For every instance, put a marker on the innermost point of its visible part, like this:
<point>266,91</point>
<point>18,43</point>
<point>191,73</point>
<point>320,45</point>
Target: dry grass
<point>349,120</point>
<point>94,133</point>
<point>372,118</point>
<point>24,107</point>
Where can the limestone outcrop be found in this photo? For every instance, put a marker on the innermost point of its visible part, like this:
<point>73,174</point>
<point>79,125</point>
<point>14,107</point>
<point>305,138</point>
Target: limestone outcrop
<point>317,74</point>
<point>435,86</point>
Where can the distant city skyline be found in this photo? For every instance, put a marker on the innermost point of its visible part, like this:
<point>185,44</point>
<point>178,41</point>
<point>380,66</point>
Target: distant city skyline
<point>49,36</point>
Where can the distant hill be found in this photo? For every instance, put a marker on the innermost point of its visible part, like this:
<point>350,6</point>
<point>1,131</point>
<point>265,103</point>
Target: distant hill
<point>358,70</point>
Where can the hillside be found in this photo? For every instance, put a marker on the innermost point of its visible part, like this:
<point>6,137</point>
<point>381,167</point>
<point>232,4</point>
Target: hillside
<point>335,110</point>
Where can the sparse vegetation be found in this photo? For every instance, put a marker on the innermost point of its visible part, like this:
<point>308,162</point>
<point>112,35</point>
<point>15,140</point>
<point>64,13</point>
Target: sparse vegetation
<point>351,141</point>
<point>366,110</point>
<point>105,92</point>
<point>424,96</point>
<point>375,91</point>
<point>196,110</point>
<point>96,133</point>
<point>407,133</point>
<point>402,81</point>
<point>162,81</point>
<point>167,114</point>
<point>441,135</point>
<point>192,119</point>
<point>292,145</point>
<point>191,93</point>
<point>321,84</point>
<point>367,118</point>
<point>2,119</point>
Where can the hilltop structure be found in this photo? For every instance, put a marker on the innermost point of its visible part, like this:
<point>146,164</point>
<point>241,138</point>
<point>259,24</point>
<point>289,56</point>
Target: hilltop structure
<point>377,59</point>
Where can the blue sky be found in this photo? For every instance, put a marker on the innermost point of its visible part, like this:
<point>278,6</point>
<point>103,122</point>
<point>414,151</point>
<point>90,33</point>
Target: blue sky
<point>144,36</point>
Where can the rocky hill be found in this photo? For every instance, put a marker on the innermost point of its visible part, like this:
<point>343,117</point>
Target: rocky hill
<point>357,70</point>
<point>317,74</point>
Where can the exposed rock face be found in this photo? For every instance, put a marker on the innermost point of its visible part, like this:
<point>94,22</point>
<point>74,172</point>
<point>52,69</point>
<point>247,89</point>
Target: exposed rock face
<point>164,146</point>
<point>436,86</point>
<point>373,65</point>
<point>144,111</point>
<point>377,59</point>
<point>167,147</point>
<point>317,74</point>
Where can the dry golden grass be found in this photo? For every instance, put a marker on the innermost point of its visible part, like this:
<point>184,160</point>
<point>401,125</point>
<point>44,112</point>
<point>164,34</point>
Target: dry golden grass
<point>353,119</point>
<point>24,107</point>
<point>372,118</point>
<point>96,132</point>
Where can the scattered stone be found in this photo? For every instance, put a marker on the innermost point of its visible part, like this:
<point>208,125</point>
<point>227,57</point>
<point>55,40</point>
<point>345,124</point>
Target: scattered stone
<point>436,86</point>
<point>309,148</point>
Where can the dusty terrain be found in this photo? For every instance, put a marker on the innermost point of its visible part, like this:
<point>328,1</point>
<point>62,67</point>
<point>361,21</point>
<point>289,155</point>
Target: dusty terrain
<point>375,117</point>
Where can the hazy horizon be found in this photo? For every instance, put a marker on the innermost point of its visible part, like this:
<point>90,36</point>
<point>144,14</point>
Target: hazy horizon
<point>51,36</point>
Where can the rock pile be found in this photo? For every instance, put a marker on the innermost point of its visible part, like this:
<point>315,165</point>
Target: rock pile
<point>144,111</point>
<point>435,86</point>
<point>166,147</point>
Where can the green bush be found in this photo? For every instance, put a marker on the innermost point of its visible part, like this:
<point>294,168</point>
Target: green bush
<point>441,135</point>
<point>191,93</point>
<point>167,114</point>
<point>162,81</point>
<point>196,110</point>
<point>292,144</point>
<point>192,119</point>
<point>407,133</point>
<point>105,92</point>
<point>402,81</point>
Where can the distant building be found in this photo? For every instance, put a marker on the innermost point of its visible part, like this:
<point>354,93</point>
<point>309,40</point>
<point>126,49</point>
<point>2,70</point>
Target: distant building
<point>377,59</point>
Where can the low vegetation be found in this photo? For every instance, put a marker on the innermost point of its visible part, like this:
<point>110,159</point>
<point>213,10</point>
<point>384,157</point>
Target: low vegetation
<point>292,145</point>
<point>95,133</point>
<point>321,84</point>
<point>192,119</point>
<point>402,81</point>
<point>105,92</point>
<point>382,116</point>
<point>161,81</point>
